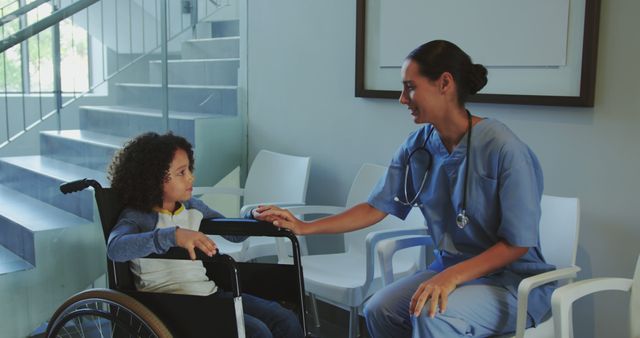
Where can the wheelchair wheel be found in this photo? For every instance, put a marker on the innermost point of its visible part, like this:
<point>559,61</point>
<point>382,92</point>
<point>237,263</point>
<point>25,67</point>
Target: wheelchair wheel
<point>105,313</point>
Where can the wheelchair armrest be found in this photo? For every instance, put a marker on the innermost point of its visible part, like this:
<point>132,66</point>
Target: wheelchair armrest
<point>244,211</point>
<point>249,227</point>
<point>242,227</point>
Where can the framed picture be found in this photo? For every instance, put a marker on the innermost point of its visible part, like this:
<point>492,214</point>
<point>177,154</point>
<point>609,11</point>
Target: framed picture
<point>536,52</point>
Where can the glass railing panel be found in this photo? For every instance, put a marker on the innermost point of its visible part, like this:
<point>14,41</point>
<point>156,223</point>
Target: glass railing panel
<point>120,78</point>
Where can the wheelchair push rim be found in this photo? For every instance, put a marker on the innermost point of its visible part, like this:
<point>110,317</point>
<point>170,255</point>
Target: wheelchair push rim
<point>105,313</point>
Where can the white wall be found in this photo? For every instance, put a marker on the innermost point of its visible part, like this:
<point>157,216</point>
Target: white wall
<point>301,101</point>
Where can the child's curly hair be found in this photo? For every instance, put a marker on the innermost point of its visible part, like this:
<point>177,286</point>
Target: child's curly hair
<point>139,170</point>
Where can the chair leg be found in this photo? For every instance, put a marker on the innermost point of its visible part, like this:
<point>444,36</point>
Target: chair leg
<point>314,310</point>
<point>570,321</point>
<point>354,323</point>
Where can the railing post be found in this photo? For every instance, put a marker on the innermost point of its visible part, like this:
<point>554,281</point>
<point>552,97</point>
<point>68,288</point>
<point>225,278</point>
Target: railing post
<point>165,60</point>
<point>24,54</point>
<point>57,82</point>
<point>194,17</point>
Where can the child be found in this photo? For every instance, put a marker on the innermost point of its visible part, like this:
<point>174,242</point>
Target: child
<point>153,176</point>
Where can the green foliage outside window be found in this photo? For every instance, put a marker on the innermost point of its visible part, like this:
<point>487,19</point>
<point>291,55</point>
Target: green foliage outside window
<point>10,61</point>
<point>74,66</point>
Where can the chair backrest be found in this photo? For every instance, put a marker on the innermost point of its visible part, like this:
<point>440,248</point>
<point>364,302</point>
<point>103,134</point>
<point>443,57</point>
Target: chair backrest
<point>634,303</point>
<point>364,182</point>
<point>559,228</point>
<point>109,208</point>
<point>277,178</point>
<point>366,179</point>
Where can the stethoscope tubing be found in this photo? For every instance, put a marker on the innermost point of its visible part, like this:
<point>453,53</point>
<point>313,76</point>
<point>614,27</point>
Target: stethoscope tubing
<point>461,219</point>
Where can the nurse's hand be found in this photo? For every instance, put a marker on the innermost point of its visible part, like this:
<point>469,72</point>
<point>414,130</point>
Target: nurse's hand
<point>436,289</point>
<point>279,217</point>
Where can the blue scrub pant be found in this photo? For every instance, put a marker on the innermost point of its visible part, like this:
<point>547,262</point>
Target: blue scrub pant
<point>473,310</point>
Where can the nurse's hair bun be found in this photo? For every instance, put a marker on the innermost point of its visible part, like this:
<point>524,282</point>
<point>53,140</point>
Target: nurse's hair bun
<point>439,56</point>
<point>477,78</point>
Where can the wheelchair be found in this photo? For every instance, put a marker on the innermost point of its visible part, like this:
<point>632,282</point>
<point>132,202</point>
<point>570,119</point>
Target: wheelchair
<point>122,311</point>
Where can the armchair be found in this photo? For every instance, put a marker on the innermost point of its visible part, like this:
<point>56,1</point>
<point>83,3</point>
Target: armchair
<point>563,299</point>
<point>273,178</point>
<point>559,226</point>
<point>348,279</point>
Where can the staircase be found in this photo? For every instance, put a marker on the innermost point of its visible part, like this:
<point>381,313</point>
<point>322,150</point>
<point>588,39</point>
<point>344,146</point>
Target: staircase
<point>51,245</point>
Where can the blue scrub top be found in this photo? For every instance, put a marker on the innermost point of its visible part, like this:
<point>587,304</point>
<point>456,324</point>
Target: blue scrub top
<point>504,189</point>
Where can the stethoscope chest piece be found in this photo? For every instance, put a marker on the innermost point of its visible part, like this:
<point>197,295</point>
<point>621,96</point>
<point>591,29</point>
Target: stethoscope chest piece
<point>462,219</point>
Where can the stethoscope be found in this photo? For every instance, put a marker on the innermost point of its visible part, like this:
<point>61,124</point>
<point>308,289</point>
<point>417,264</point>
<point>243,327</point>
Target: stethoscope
<point>461,219</point>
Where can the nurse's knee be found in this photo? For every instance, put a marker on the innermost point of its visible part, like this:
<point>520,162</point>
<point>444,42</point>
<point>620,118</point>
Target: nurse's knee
<point>441,325</point>
<point>373,307</point>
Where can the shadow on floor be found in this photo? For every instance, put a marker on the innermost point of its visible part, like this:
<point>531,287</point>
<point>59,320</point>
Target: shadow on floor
<point>334,322</point>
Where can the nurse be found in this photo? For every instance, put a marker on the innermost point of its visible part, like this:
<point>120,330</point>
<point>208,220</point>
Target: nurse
<point>479,189</point>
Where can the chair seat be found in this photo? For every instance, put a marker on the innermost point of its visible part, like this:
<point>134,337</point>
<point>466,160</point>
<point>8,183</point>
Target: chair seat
<point>260,247</point>
<point>339,278</point>
<point>227,247</point>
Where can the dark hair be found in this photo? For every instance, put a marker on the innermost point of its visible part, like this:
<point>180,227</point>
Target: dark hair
<point>439,56</point>
<point>139,170</point>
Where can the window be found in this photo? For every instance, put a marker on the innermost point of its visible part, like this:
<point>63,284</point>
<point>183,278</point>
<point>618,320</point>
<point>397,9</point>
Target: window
<point>29,67</point>
<point>10,61</point>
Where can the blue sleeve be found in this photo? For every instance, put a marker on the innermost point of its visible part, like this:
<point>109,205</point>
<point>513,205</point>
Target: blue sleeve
<point>135,236</point>
<point>207,212</point>
<point>520,192</point>
<point>210,213</point>
<point>391,185</point>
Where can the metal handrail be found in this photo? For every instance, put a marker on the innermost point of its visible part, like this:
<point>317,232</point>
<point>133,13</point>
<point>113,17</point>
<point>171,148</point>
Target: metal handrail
<point>44,23</point>
<point>21,10</point>
<point>60,15</point>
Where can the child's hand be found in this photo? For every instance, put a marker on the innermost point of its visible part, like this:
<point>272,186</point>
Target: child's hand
<point>190,240</point>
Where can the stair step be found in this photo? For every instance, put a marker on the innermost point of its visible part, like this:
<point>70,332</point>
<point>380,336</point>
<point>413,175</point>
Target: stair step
<point>22,216</point>
<point>80,147</point>
<point>148,112</point>
<point>194,98</point>
<point>40,177</point>
<point>213,48</point>
<point>10,262</point>
<point>225,28</point>
<point>197,71</point>
<point>131,121</point>
<point>67,260</point>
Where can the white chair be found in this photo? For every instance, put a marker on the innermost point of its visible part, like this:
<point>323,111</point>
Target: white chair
<point>275,179</point>
<point>563,299</point>
<point>347,279</point>
<point>559,226</point>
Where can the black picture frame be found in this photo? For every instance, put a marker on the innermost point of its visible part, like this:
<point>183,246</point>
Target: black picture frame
<point>587,73</point>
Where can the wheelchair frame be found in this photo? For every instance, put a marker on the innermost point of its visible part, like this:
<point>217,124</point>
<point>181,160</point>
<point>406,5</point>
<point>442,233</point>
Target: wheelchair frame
<point>160,313</point>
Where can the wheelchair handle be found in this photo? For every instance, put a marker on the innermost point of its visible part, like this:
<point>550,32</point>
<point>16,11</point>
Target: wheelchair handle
<point>79,185</point>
